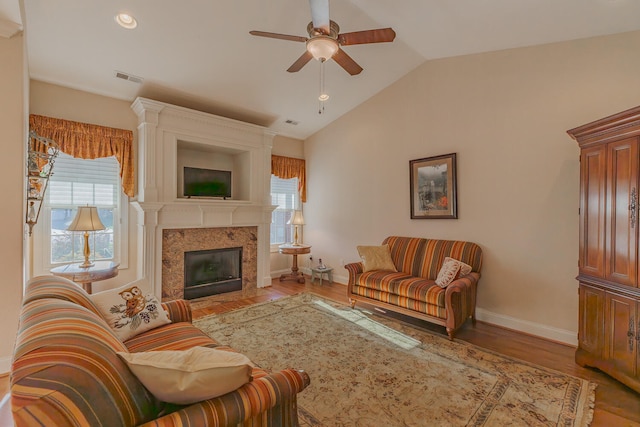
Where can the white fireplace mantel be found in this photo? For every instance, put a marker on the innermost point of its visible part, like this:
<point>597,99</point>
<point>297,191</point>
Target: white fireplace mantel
<point>170,137</point>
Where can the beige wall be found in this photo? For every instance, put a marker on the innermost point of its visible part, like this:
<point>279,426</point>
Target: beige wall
<point>288,147</point>
<point>505,114</point>
<point>13,142</point>
<point>64,103</point>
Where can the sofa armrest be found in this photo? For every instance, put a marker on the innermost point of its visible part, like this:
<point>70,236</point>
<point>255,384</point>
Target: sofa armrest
<point>354,269</point>
<point>460,298</point>
<point>178,310</point>
<point>462,284</point>
<point>245,403</point>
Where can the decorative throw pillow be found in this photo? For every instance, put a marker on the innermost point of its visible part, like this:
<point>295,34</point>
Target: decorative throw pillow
<point>451,269</point>
<point>376,258</point>
<point>129,312</point>
<point>194,375</point>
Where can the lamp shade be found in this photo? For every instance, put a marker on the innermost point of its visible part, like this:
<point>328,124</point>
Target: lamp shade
<point>322,47</point>
<point>296,219</point>
<point>86,219</point>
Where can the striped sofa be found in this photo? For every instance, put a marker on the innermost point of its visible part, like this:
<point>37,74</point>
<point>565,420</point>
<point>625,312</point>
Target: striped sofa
<point>66,372</point>
<point>412,289</point>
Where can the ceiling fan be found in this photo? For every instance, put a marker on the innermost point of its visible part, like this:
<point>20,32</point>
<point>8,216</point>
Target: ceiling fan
<point>325,41</point>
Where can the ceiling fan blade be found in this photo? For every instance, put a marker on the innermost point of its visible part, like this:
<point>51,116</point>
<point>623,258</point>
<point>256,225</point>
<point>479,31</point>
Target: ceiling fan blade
<point>346,62</point>
<point>278,36</point>
<point>381,35</point>
<point>320,15</point>
<point>300,62</point>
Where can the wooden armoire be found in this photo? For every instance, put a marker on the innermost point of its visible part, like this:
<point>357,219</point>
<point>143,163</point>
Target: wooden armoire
<point>609,291</point>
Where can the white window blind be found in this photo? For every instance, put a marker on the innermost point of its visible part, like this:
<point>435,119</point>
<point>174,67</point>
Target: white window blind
<point>76,182</point>
<point>82,181</point>
<point>284,194</point>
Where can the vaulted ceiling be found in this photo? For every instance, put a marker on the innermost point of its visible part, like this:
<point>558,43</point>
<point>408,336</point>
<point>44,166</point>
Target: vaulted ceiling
<point>199,53</point>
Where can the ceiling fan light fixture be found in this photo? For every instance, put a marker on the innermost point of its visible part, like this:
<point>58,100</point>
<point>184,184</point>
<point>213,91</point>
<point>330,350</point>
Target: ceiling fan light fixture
<point>323,97</point>
<point>126,21</point>
<point>322,47</point>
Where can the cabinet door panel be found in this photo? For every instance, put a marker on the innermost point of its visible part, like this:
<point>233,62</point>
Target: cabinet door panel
<point>592,211</point>
<point>622,229</point>
<point>591,326</point>
<point>620,340</point>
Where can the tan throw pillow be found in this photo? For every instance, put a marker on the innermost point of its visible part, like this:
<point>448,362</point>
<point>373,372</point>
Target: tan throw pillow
<point>451,269</point>
<point>376,258</point>
<point>129,312</point>
<point>194,375</point>
<point>464,268</point>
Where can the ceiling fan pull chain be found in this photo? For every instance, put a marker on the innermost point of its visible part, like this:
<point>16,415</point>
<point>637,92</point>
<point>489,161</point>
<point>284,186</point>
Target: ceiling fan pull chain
<point>323,96</point>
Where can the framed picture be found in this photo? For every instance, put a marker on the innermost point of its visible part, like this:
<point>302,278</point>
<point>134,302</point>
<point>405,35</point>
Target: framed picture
<point>433,187</point>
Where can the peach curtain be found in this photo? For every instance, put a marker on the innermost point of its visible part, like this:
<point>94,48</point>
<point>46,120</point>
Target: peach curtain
<point>88,141</point>
<point>289,167</point>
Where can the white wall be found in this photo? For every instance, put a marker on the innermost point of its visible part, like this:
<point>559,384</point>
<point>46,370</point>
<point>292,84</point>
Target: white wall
<point>505,114</point>
<point>12,176</point>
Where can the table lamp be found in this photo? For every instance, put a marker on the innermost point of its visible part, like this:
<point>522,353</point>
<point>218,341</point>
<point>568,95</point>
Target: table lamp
<point>86,220</point>
<point>296,220</point>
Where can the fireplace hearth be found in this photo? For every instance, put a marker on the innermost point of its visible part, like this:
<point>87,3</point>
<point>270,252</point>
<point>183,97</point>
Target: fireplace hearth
<point>212,272</point>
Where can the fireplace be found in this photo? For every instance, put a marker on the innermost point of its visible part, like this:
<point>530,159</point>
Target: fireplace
<point>171,138</point>
<point>212,272</point>
<point>176,243</point>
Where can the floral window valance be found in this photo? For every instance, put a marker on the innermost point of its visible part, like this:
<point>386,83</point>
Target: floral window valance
<point>289,167</point>
<point>87,141</point>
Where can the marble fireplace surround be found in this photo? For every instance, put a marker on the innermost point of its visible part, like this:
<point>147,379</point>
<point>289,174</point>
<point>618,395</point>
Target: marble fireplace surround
<point>175,242</point>
<point>168,137</point>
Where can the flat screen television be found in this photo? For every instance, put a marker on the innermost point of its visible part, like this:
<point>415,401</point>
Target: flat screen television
<point>206,183</point>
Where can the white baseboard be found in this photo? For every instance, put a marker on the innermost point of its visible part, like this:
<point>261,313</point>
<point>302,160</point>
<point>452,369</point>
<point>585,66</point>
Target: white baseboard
<point>5,365</point>
<point>266,281</point>
<point>6,419</point>
<point>532,328</point>
<point>277,273</point>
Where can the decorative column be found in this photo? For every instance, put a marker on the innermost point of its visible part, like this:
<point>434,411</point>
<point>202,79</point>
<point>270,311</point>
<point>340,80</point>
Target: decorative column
<point>148,115</point>
<point>147,270</point>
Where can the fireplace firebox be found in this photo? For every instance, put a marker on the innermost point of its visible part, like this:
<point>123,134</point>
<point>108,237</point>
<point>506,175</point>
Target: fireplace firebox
<point>212,271</point>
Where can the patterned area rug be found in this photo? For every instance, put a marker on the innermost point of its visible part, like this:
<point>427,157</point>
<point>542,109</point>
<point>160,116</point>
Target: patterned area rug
<point>368,370</point>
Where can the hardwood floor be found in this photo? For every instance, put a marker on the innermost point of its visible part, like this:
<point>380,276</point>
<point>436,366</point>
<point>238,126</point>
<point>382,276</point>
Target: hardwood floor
<point>616,405</point>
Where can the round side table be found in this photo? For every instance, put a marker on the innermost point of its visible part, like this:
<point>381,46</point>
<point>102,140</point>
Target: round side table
<point>295,250</point>
<point>100,270</point>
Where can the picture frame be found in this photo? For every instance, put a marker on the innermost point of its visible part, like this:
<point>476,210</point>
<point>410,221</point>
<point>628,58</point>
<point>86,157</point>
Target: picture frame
<point>432,186</point>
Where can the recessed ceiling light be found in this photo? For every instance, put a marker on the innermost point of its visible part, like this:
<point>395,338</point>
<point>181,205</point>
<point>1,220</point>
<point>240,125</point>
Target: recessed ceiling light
<point>323,97</point>
<point>126,21</point>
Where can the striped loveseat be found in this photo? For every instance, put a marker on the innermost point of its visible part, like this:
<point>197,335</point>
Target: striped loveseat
<point>66,372</point>
<point>412,289</point>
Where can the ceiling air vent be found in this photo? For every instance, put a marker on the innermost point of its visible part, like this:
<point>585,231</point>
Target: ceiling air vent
<point>129,77</point>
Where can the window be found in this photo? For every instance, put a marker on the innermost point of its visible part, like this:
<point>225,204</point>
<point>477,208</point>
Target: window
<point>76,182</point>
<point>284,194</point>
